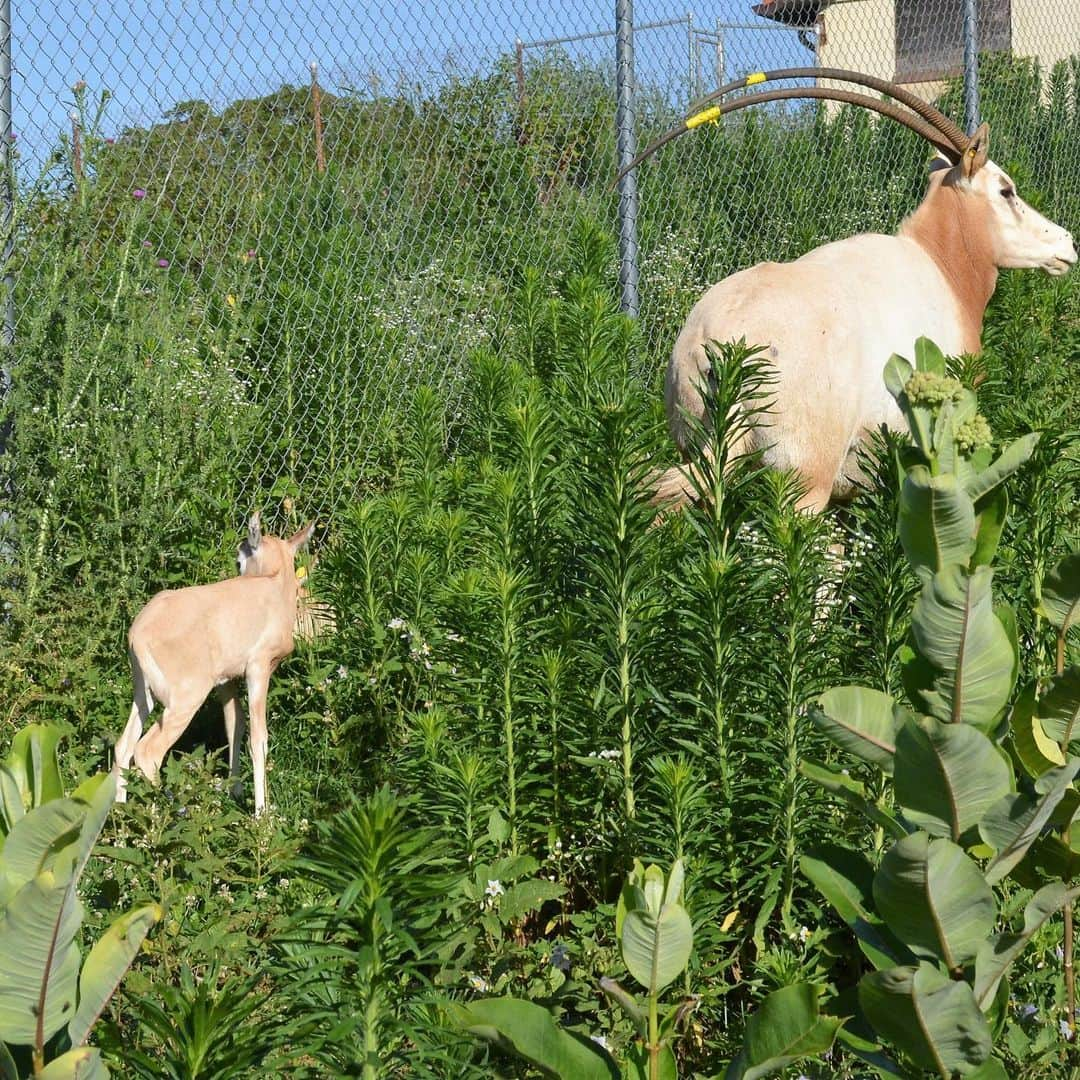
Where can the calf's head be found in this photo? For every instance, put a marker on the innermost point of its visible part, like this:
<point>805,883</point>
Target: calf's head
<point>265,556</point>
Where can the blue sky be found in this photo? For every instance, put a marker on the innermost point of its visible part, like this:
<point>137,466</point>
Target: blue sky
<point>152,55</point>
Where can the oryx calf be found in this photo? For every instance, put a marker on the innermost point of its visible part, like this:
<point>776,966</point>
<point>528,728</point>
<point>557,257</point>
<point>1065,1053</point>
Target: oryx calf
<point>188,643</point>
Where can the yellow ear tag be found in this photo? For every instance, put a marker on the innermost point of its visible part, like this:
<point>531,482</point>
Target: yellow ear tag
<point>301,573</point>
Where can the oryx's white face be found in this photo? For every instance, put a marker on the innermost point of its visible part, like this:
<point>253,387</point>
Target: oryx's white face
<point>1022,237</point>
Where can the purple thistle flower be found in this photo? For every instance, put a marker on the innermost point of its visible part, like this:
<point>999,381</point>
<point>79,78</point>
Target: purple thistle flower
<point>147,244</point>
<point>251,253</point>
<point>163,263</point>
<point>138,193</point>
<point>14,137</point>
<point>110,142</point>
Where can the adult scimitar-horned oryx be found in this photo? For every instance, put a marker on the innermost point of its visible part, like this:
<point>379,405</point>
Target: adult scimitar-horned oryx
<point>831,319</point>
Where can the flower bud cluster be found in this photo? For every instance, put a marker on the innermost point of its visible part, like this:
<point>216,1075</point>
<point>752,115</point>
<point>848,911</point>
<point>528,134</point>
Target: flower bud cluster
<point>932,390</point>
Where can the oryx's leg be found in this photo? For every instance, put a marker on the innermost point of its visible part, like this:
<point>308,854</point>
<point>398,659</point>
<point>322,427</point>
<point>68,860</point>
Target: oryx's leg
<point>156,743</point>
<point>141,707</point>
<point>258,682</point>
<point>814,499</point>
<point>229,696</point>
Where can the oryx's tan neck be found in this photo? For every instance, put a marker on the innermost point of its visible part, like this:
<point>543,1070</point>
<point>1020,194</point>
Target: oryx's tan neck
<point>951,226</point>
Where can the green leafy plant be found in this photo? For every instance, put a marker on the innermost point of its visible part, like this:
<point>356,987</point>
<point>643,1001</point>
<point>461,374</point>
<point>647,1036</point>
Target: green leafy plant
<point>926,915</point>
<point>656,939</point>
<point>49,1001</point>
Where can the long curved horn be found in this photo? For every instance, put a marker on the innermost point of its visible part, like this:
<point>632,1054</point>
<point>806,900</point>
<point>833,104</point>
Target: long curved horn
<point>953,132</point>
<point>824,93</point>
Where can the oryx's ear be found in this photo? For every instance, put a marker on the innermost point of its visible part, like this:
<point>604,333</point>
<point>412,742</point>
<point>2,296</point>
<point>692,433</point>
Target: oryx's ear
<point>254,532</point>
<point>299,539</point>
<point>940,163</point>
<point>976,155</point>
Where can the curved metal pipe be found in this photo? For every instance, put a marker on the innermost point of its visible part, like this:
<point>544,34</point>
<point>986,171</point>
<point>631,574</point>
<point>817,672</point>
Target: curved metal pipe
<point>823,93</point>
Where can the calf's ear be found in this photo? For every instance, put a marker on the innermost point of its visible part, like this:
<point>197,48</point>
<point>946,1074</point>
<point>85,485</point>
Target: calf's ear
<point>254,531</point>
<point>299,539</point>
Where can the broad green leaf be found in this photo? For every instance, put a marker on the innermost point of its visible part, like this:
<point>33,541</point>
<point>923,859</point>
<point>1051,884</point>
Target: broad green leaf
<point>956,630</point>
<point>1007,617</point>
<point>1060,599</point>
<point>1011,458</point>
<point>937,520</point>
<point>865,1047</point>
<point>7,1064</point>
<point>1038,753</point>
<point>657,947</point>
<point>82,1064</point>
<point>853,793</point>
<point>933,1019</point>
<point>948,458</point>
<point>860,720</point>
<point>652,885</point>
<point>34,762</point>
<point>104,967</point>
<point>934,899</point>
<point>1011,825</point>
<point>896,374</point>
<point>928,357</point>
<point>527,896</point>
<point>846,879</point>
<point>992,511</point>
<point>33,843</point>
<point>636,1064</point>
<point>787,1026</point>
<point>1058,710</point>
<point>531,1032</point>
<point>627,1003</point>
<point>11,804</point>
<point>990,1069</point>
<point>947,776</point>
<point>675,882</point>
<point>997,953</point>
<point>37,932</point>
<point>1048,859</point>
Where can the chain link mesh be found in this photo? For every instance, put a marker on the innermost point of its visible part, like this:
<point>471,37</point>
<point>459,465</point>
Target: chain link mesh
<point>263,260</point>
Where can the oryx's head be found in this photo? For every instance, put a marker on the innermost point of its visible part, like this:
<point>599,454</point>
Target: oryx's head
<point>1018,234</point>
<point>1021,237</point>
<point>264,556</point>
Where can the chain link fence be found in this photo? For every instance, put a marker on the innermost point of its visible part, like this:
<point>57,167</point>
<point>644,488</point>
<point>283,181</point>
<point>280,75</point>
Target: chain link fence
<point>243,235</point>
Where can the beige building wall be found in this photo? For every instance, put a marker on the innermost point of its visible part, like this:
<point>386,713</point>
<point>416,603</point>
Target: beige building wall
<point>1050,31</point>
<point>861,35</point>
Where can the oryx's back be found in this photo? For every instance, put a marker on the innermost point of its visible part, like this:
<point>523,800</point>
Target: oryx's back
<point>828,322</point>
<point>214,628</point>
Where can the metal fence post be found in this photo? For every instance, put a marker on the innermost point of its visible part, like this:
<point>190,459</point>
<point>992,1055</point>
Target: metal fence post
<point>720,61</point>
<point>626,145</point>
<point>971,66</point>
<point>7,195</point>
<point>7,216</point>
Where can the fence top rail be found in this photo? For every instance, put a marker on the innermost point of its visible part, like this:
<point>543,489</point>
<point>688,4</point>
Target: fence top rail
<point>685,20</point>
<point>543,43</point>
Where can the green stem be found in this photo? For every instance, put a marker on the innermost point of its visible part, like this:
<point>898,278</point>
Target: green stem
<point>654,1040</point>
<point>1067,944</point>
